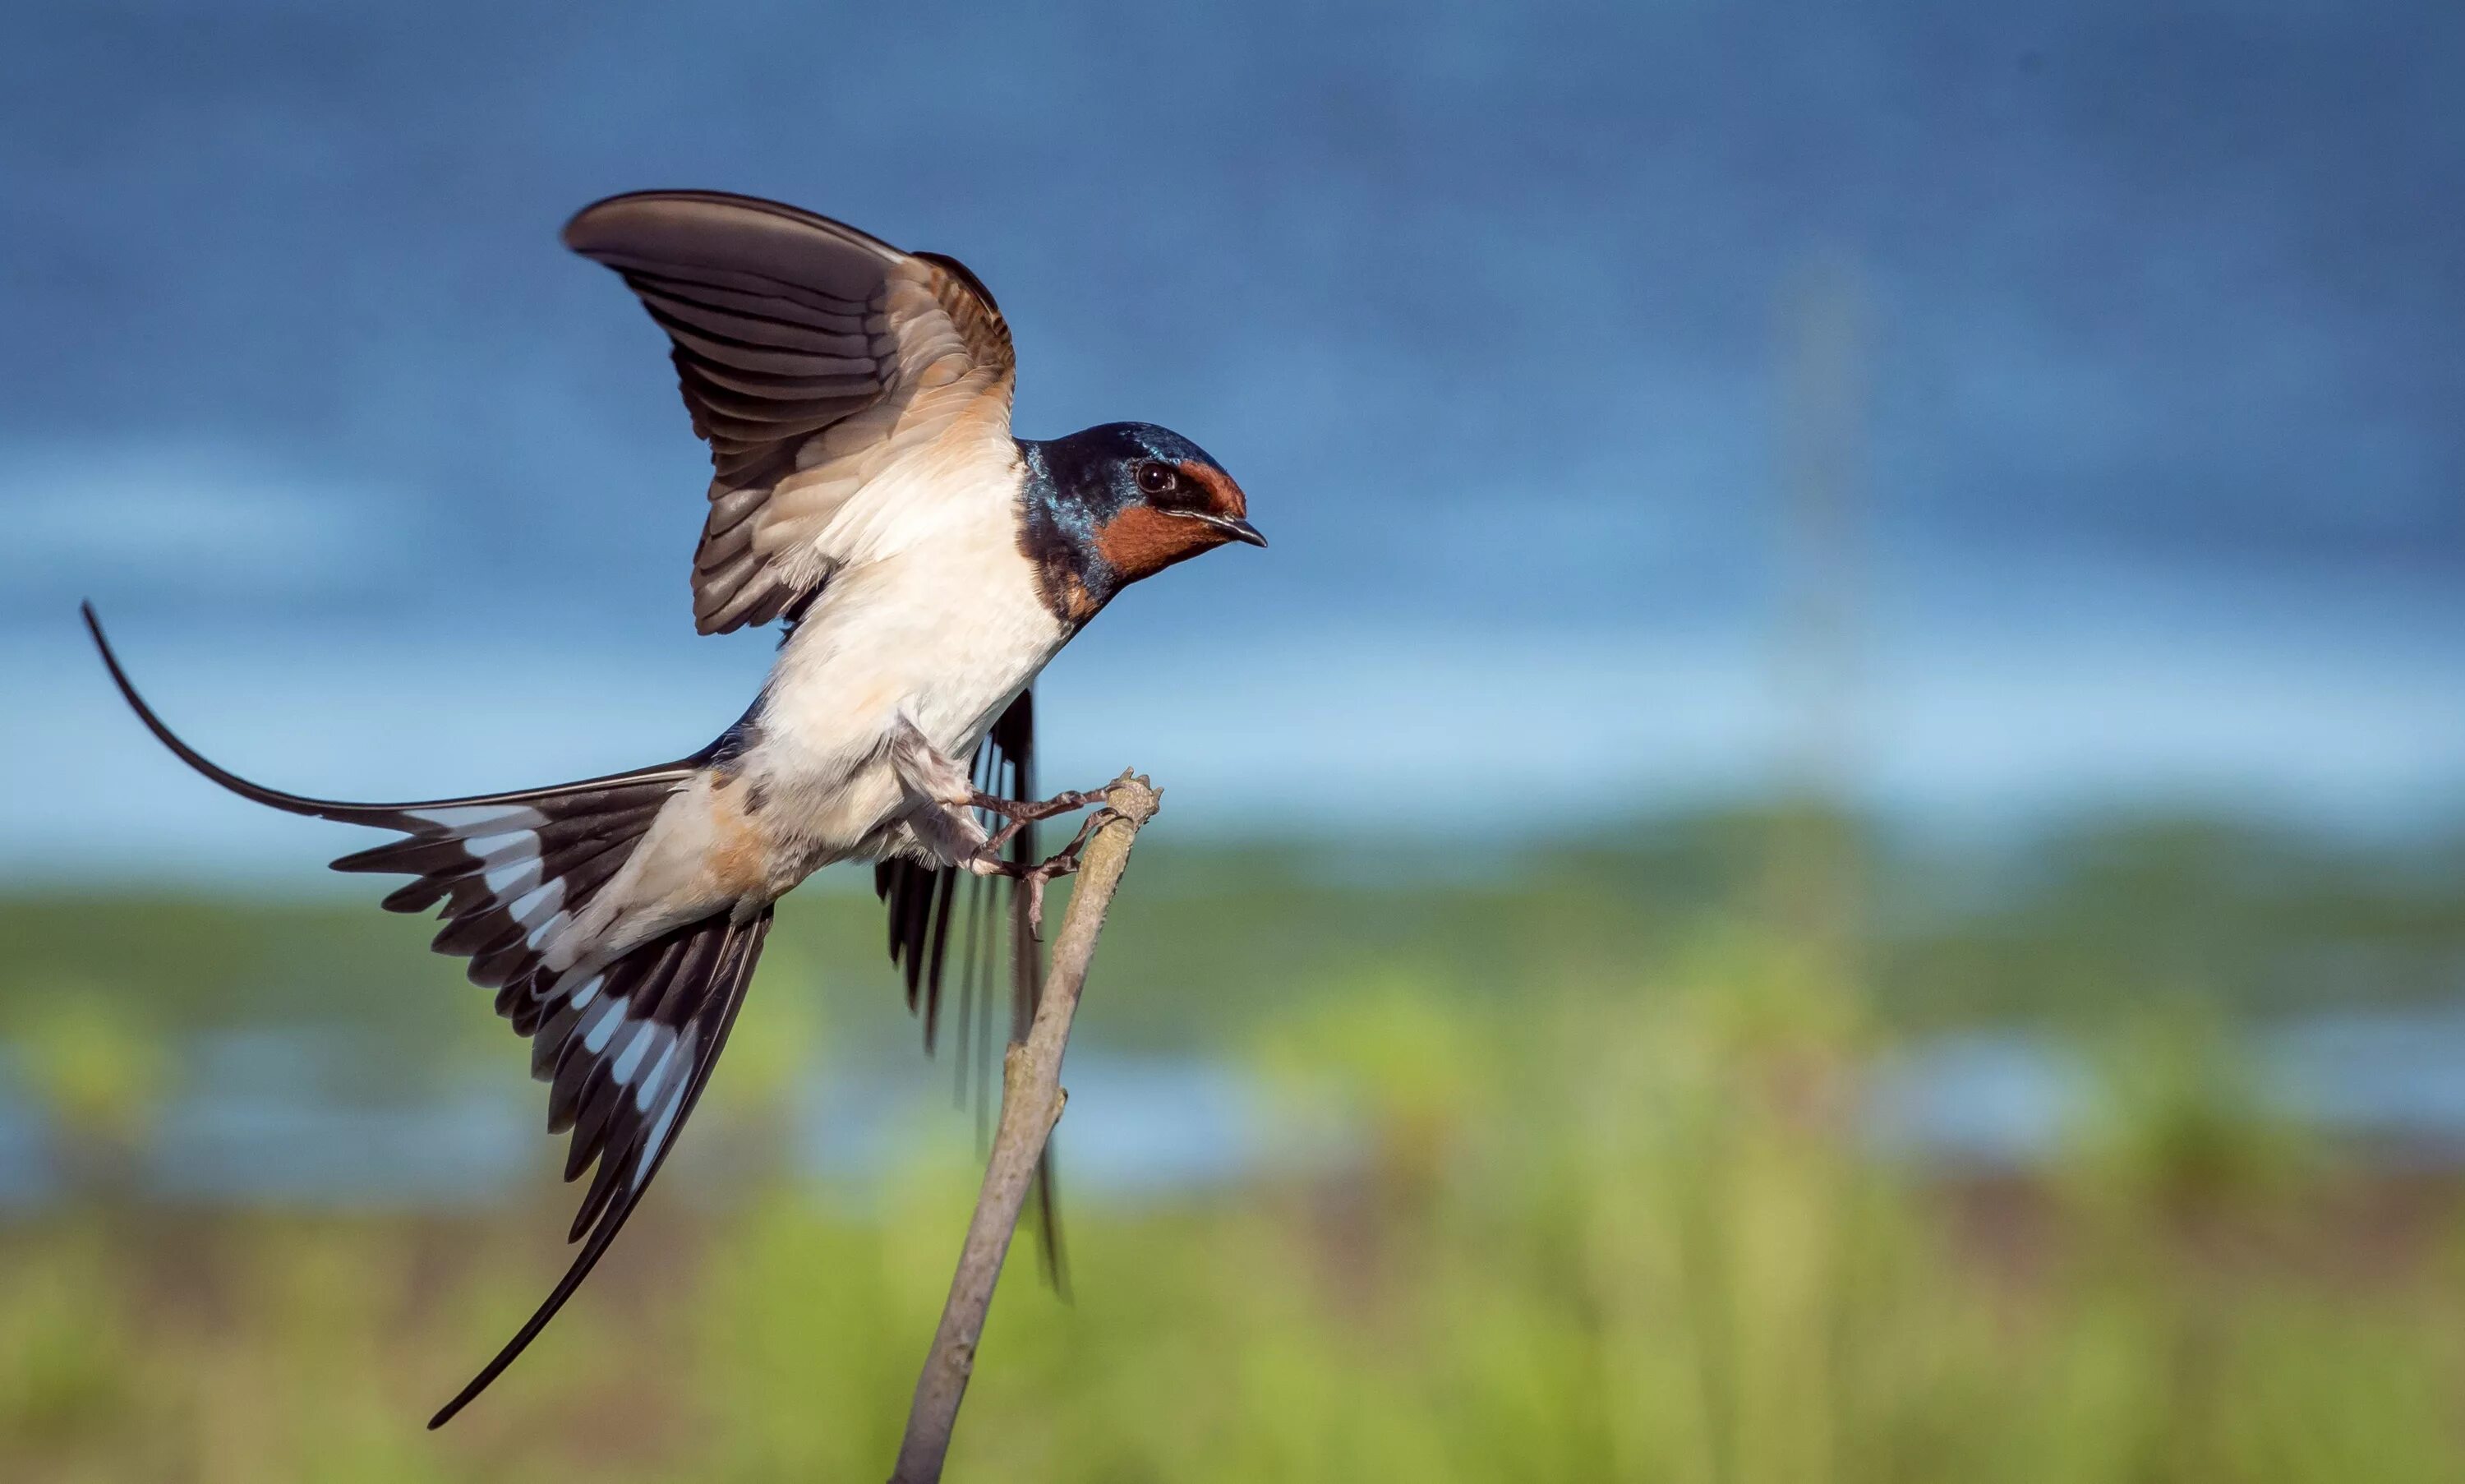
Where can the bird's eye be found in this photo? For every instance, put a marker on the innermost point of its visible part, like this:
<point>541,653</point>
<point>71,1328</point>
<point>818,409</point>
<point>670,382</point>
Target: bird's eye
<point>1155,478</point>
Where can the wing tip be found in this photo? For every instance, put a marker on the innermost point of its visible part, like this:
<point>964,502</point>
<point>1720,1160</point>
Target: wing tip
<point>620,214</point>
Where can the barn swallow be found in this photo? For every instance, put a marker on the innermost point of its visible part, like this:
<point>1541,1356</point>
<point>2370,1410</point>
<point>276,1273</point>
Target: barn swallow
<point>866,492</point>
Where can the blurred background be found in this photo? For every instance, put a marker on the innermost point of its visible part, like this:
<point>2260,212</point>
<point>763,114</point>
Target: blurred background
<point>1830,846</point>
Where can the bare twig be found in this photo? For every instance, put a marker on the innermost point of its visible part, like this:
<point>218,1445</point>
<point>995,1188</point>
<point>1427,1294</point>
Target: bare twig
<point>1032,1099</point>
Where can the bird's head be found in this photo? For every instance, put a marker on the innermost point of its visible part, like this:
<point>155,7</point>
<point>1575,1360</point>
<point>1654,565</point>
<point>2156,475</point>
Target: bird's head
<point>1133,499</point>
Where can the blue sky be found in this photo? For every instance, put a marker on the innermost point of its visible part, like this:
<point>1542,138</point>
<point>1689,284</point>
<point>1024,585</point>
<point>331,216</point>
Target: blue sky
<point>2157,474</point>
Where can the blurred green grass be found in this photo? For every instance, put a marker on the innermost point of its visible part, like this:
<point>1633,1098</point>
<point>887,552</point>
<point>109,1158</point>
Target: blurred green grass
<point>1608,1218</point>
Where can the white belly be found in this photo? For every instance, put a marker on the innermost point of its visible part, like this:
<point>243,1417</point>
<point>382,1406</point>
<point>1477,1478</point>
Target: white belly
<point>945,635</point>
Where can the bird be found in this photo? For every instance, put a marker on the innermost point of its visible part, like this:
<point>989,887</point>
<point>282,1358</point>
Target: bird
<point>923,564</point>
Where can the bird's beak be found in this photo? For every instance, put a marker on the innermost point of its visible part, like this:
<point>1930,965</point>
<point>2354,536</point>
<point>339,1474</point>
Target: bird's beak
<point>1238,530</point>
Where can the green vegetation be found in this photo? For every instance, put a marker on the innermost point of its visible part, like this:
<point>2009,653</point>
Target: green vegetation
<point>1606,1216</point>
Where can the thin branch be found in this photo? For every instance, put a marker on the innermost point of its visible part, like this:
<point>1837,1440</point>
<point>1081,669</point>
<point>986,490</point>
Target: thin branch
<point>1032,1099</point>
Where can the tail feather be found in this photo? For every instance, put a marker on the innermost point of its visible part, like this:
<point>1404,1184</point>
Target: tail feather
<point>629,1052</point>
<point>627,1047</point>
<point>507,868</point>
<point>447,810</point>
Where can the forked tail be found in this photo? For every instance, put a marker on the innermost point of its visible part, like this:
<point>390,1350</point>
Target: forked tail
<point>625,1048</point>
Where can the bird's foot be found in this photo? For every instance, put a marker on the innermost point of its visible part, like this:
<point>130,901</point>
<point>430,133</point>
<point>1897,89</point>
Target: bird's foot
<point>1033,879</point>
<point>1023,813</point>
<point>1024,809</point>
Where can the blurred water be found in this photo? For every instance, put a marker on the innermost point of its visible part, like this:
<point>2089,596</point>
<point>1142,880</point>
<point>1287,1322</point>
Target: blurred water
<point>278,1118</point>
<point>268,1117</point>
<point>2393,1078</point>
<point>1984,1100</point>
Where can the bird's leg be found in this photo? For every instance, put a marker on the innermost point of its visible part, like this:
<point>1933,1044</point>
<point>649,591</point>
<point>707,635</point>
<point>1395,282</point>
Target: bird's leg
<point>946,821</point>
<point>941,796</point>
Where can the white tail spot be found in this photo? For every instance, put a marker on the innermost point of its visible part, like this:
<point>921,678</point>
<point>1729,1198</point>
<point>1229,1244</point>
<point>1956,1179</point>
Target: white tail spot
<point>602,1026</point>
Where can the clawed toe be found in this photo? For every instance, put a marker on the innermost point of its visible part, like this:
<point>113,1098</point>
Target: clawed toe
<point>1033,880</point>
<point>1021,814</point>
<point>1025,810</point>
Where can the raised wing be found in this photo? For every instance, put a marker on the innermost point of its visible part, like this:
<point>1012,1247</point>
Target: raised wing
<point>818,363</point>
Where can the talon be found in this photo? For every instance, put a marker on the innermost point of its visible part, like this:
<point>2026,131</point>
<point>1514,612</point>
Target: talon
<point>1033,879</point>
<point>1000,838</point>
<point>1036,882</point>
<point>1024,812</point>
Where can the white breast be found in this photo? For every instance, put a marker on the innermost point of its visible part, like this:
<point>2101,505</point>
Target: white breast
<point>946,626</point>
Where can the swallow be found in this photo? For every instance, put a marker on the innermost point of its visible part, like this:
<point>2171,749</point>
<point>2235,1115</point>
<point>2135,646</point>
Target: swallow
<point>926,565</point>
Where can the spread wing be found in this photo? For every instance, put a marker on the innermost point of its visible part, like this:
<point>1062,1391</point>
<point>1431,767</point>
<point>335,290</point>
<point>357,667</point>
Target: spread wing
<point>821,365</point>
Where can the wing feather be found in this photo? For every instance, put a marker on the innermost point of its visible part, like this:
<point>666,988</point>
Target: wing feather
<point>816,361</point>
